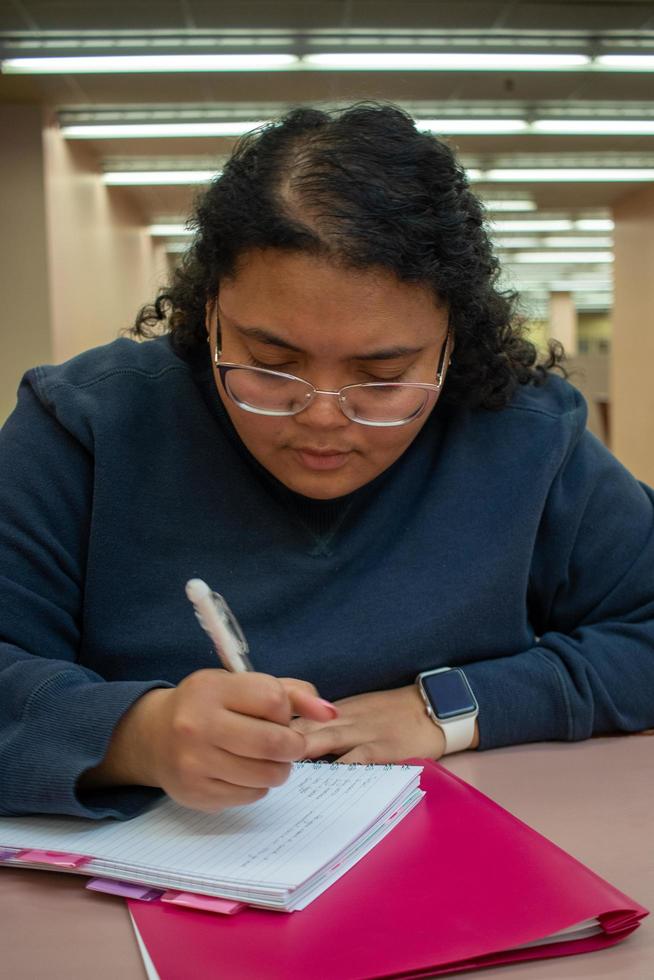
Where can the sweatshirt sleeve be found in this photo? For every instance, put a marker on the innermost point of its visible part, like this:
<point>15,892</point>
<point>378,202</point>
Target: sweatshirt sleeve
<point>591,603</point>
<point>56,716</point>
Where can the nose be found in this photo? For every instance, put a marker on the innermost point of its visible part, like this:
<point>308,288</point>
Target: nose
<point>324,412</point>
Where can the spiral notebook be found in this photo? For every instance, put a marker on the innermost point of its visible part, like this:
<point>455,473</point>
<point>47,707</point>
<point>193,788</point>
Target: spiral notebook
<point>279,853</point>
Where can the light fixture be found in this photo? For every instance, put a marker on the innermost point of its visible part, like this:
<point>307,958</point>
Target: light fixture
<point>520,204</point>
<point>562,258</point>
<point>586,241</point>
<point>593,127</point>
<point>533,224</point>
<point>472,127</point>
<point>127,63</point>
<point>144,178</point>
<point>626,62</point>
<point>158,130</point>
<point>167,231</point>
<point>594,224</point>
<point>444,61</point>
<point>569,174</point>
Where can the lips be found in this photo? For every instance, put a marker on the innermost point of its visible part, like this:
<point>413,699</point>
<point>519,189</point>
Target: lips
<point>323,458</point>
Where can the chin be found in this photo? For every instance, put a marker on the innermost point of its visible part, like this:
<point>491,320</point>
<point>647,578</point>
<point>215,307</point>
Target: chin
<point>321,486</point>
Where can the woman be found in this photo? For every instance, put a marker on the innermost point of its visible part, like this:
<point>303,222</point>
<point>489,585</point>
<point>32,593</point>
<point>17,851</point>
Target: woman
<point>344,432</point>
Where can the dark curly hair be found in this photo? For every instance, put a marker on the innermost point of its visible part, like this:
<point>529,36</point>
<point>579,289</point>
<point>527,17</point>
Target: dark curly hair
<point>363,188</point>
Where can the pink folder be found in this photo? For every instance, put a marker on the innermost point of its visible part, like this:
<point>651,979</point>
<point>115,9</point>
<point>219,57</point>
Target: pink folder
<point>457,884</point>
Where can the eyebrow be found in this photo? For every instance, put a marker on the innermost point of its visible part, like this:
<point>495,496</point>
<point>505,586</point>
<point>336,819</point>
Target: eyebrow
<point>267,337</point>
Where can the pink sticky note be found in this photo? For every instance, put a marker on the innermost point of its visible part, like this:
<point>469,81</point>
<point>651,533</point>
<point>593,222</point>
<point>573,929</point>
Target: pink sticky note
<point>58,859</point>
<point>207,903</point>
<point>125,889</point>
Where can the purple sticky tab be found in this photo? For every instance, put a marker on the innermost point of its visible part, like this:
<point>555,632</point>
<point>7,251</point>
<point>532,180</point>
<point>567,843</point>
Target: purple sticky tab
<point>8,852</point>
<point>208,903</point>
<point>125,889</point>
<point>57,859</point>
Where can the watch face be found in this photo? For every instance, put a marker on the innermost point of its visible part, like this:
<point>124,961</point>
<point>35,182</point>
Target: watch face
<point>449,693</point>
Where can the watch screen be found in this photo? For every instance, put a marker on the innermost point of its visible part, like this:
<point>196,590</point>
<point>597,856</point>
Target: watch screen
<point>449,693</point>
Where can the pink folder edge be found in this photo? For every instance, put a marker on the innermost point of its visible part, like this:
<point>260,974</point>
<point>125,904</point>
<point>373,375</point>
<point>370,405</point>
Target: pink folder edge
<point>389,912</point>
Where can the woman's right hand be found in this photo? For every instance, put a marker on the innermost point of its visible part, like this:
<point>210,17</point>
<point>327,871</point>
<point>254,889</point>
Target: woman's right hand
<point>216,740</point>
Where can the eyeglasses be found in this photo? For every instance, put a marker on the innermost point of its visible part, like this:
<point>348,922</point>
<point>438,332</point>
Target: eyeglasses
<point>378,403</point>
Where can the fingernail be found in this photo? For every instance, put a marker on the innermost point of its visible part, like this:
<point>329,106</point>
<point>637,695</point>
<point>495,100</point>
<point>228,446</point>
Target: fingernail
<point>332,707</point>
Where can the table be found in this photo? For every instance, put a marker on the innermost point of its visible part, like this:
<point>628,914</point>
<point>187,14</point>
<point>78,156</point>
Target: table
<point>595,799</point>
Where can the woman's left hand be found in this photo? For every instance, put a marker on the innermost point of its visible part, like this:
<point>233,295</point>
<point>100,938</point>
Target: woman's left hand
<point>384,726</point>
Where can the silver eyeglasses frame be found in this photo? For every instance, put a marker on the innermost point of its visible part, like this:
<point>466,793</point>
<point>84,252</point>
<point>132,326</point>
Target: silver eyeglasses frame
<point>224,367</point>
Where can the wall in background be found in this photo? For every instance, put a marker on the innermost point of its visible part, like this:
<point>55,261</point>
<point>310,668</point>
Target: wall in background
<point>632,362</point>
<point>25,321</point>
<point>102,262</point>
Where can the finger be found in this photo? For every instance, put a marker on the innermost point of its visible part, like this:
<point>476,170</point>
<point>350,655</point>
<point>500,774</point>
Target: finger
<point>370,752</point>
<point>255,738</point>
<point>294,683</point>
<point>309,706</point>
<point>239,771</point>
<point>258,695</point>
<point>329,740</point>
<point>214,795</point>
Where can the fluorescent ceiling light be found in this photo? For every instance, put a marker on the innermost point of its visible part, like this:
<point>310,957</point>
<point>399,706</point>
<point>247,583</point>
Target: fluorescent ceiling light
<point>463,127</point>
<point>156,130</point>
<point>103,64</point>
<point>626,62</point>
<point>563,258</point>
<point>533,224</point>
<point>571,174</point>
<point>506,205</point>
<point>163,230</point>
<point>125,178</point>
<point>599,127</point>
<point>594,224</point>
<point>586,241</point>
<point>518,242</point>
<point>445,61</point>
<point>574,241</point>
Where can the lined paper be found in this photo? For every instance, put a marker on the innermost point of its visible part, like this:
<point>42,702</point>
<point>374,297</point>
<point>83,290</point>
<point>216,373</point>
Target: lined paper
<point>264,851</point>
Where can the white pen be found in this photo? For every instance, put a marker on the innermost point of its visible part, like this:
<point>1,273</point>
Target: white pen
<point>219,622</point>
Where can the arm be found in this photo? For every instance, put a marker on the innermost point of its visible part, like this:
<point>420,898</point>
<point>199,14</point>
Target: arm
<point>56,717</point>
<point>592,605</point>
<point>591,602</point>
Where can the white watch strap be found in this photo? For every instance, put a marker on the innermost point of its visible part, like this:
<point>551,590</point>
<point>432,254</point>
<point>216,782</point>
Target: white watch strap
<point>459,734</point>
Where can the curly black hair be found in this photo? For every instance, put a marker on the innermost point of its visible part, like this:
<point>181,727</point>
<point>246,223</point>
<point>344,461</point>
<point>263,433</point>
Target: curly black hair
<point>364,188</point>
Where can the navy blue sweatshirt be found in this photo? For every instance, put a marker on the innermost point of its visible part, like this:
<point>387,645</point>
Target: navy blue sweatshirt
<point>511,543</point>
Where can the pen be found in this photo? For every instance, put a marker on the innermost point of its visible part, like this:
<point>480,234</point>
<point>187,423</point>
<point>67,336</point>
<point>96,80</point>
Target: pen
<point>219,622</point>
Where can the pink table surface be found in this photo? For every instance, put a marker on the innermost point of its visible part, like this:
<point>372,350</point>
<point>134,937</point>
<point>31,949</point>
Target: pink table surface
<point>595,799</point>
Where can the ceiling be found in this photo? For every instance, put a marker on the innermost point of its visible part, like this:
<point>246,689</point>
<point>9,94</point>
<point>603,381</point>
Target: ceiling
<point>412,25</point>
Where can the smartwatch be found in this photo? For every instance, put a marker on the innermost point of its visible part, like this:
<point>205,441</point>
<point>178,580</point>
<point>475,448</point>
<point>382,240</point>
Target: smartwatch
<point>450,704</point>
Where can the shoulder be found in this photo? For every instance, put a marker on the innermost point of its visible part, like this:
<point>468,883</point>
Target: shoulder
<point>556,399</point>
<point>110,387</point>
<point>111,362</point>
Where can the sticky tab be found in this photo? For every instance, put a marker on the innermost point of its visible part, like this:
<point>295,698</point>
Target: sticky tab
<point>57,859</point>
<point>207,903</point>
<point>125,889</point>
<point>6,853</point>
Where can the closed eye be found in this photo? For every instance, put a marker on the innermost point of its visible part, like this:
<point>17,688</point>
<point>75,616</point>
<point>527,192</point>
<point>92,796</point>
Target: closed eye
<point>269,367</point>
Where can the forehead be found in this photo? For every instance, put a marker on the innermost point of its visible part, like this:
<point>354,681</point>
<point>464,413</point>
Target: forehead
<point>318,305</point>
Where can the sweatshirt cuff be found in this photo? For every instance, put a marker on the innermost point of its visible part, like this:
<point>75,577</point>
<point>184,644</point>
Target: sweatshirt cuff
<point>67,726</point>
<point>521,698</point>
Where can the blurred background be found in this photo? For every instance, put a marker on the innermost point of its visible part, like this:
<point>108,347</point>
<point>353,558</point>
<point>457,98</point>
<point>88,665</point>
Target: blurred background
<point>114,115</point>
